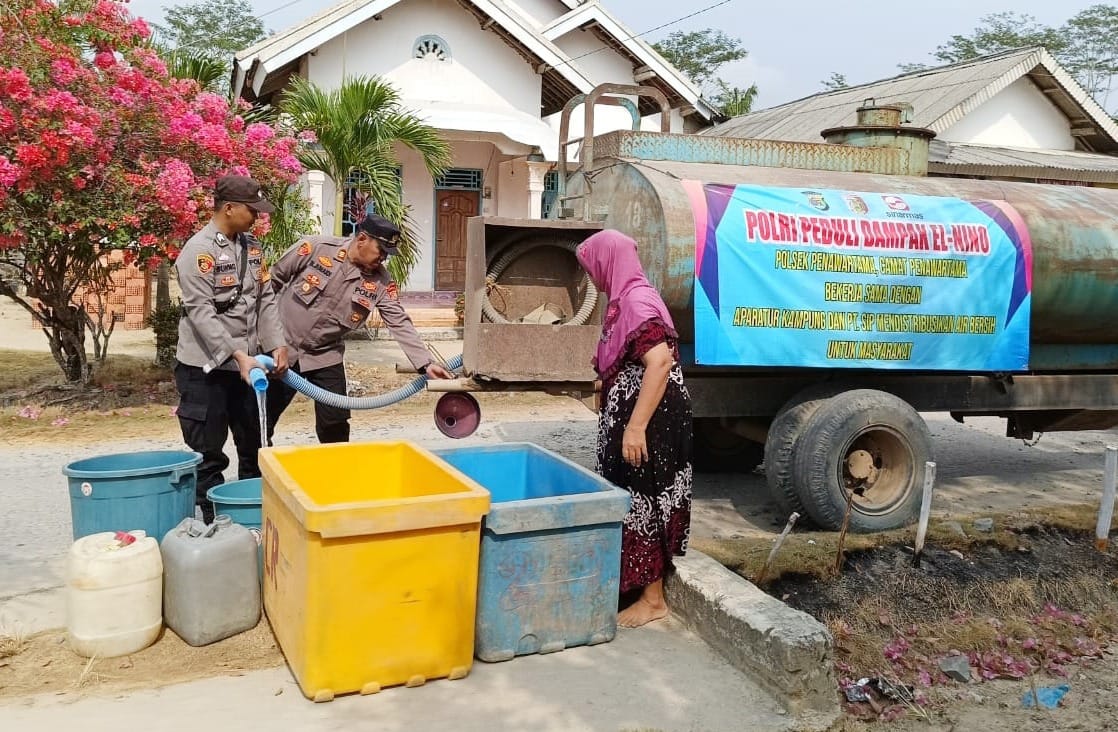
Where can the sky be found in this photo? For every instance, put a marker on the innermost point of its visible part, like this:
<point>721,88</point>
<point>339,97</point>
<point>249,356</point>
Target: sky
<point>793,45</point>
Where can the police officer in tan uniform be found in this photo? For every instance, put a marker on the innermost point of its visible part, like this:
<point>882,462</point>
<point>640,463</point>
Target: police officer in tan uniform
<point>327,287</point>
<point>230,314</point>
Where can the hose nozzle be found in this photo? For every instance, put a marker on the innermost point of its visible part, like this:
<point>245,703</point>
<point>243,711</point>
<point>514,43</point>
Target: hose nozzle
<point>258,377</point>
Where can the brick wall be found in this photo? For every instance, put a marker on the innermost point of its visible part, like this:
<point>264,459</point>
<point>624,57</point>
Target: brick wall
<point>128,302</point>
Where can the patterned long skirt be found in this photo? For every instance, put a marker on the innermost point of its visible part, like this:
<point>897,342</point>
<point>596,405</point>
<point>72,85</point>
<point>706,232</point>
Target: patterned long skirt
<point>658,524</point>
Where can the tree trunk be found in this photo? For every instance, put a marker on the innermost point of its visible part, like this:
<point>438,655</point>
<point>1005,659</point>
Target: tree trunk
<point>163,285</point>
<point>339,204</point>
<point>64,327</point>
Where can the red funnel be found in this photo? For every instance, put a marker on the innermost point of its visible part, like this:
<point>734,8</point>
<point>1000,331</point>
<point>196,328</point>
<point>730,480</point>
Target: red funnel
<point>457,414</point>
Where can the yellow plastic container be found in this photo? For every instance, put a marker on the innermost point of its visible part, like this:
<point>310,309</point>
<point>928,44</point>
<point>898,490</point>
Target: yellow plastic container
<point>370,564</point>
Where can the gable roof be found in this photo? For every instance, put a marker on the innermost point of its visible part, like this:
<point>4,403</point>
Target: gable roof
<point>614,34</point>
<point>261,70</point>
<point>940,97</point>
<point>264,68</point>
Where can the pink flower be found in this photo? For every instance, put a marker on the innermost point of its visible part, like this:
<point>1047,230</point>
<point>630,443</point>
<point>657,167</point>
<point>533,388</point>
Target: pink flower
<point>149,60</point>
<point>181,128</point>
<point>80,133</point>
<point>61,101</point>
<point>215,139</point>
<point>30,412</point>
<point>15,84</point>
<point>104,60</point>
<point>308,136</point>
<point>259,133</point>
<point>212,107</point>
<point>31,156</point>
<point>140,28</point>
<point>64,71</point>
<point>60,422</point>
<point>173,184</point>
<point>290,162</point>
<point>122,97</point>
<point>9,173</point>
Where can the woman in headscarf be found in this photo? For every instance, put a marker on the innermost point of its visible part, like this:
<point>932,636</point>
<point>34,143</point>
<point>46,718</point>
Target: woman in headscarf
<point>644,424</point>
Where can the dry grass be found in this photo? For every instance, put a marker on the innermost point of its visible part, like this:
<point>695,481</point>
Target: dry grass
<point>812,553</point>
<point>11,645</point>
<point>29,370</point>
<point>862,630</point>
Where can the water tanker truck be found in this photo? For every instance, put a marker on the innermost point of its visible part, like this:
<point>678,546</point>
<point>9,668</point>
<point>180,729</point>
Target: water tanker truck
<point>825,294</point>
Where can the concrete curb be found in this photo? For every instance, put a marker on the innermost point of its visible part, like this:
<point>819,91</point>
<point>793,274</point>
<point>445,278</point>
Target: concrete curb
<point>425,333</point>
<point>787,652</point>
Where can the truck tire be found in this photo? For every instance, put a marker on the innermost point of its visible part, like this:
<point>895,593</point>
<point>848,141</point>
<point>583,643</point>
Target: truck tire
<point>718,450</point>
<point>864,438</point>
<point>780,447</point>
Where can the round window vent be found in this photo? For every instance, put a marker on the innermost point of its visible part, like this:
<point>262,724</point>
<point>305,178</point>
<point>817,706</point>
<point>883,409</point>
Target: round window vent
<point>431,47</point>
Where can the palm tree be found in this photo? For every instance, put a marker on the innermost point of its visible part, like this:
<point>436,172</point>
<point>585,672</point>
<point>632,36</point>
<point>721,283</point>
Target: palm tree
<point>735,101</point>
<point>358,126</point>
<point>210,73</point>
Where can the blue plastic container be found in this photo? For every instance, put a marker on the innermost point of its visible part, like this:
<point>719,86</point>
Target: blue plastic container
<point>550,561</point>
<point>239,500</point>
<point>152,491</point>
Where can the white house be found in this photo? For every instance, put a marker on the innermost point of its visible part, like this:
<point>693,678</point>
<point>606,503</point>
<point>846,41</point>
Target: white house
<point>1016,115</point>
<point>493,77</point>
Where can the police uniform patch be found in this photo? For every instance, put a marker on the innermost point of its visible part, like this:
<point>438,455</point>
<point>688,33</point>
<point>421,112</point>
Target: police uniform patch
<point>325,262</point>
<point>391,291</point>
<point>254,251</point>
<point>205,263</point>
<point>314,280</point>
<point>341,255</point>
<point>364,302</point>
<point>369,285</point>
<point>356,317</point>
<point>304,249</point>
<point>306,287</point>
<point>228,280</point>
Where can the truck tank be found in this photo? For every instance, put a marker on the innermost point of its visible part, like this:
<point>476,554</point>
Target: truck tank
<point>1074,233</point>
<point>836,443</point>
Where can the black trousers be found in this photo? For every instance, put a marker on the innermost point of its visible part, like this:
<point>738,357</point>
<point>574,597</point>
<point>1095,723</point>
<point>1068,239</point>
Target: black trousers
<point>330,423</point>
<point>210,407</point>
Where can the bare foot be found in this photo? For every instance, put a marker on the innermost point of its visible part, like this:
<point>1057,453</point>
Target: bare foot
<point>641,613</point>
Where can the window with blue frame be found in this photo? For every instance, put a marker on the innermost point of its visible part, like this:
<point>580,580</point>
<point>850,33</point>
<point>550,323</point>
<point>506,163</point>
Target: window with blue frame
<point>357,203</point>
<point>549,199</point>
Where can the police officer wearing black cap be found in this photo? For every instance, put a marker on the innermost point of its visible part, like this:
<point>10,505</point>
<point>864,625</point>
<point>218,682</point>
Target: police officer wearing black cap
<point>230,314</point>
<point>327,288</point>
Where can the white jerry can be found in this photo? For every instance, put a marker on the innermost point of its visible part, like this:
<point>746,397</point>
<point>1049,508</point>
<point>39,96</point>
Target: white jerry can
<point>114,594</point>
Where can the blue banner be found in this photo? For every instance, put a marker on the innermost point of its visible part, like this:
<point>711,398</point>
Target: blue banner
<point>843,279</point>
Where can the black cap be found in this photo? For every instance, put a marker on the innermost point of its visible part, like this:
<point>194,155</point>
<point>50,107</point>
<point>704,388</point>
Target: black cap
<point>242,189</point>
<point>383,230</point>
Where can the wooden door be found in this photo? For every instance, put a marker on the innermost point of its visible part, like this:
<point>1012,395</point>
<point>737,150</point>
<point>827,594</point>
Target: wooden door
<point>453,209</point>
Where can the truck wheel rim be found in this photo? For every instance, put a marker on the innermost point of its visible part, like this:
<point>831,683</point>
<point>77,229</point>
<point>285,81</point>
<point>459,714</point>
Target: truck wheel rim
<point>879,461</point>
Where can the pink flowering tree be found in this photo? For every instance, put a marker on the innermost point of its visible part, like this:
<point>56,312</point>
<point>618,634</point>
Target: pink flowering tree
<point>101,149</point>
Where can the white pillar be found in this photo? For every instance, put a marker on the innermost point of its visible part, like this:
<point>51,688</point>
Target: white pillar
<point>536,173</point>
<point>316,181</point>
